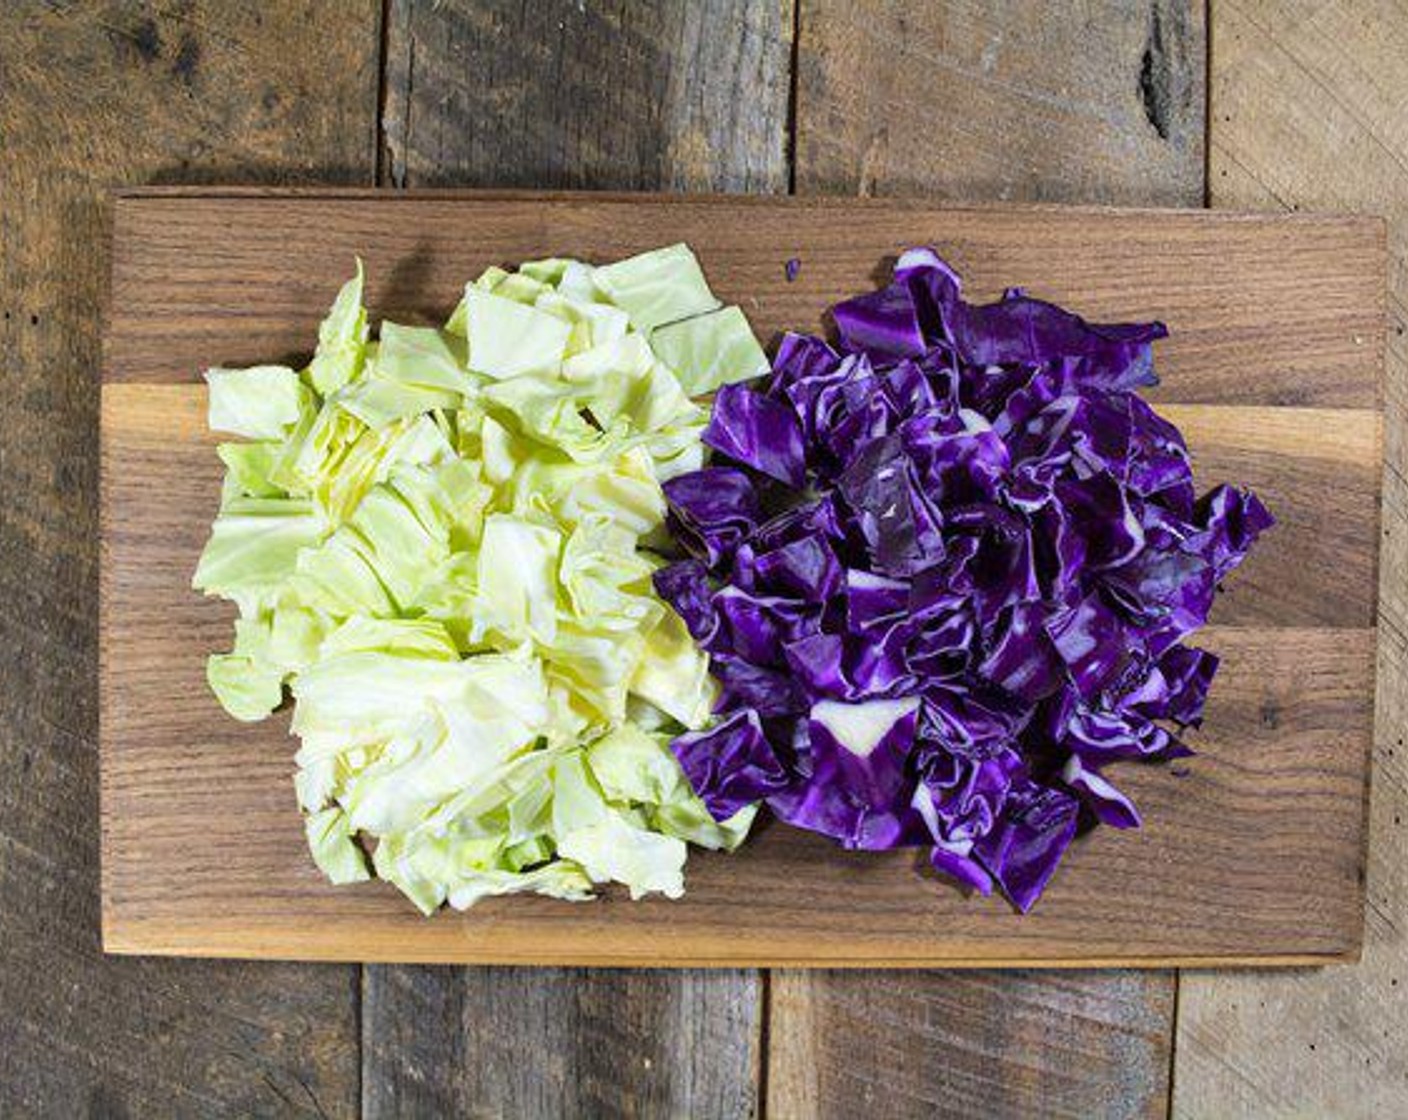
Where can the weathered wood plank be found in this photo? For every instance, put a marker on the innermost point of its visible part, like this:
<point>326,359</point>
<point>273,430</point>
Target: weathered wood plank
<point>927,1045</point>
<point>92,96</point>
<point>624,94</point>
<point>1003,102</point>
<point>1308,111</point>
<point>686,96</point>
<point>1096,101</point>
<point>561,1043</point>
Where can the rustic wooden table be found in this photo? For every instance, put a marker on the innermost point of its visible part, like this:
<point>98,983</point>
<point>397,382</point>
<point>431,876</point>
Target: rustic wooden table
<point>1250,103</point>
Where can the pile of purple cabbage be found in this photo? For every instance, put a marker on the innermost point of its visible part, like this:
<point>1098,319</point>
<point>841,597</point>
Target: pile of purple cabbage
<point>944,569</point>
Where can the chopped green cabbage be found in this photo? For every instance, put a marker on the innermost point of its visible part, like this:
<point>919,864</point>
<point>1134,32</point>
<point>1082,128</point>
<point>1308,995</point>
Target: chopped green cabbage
<point>434,539</point>
<point>342,340</point>
<point>661,286</point>
<point>259,403</point>
<point>717,348</point>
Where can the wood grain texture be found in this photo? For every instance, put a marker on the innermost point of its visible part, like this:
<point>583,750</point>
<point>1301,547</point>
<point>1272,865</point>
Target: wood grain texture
<point>622,94</point>
<point>92,96</point>
<point>1093,101</point>
<point>1242,870</point>
<point>931,1045</point>
<point>683,95</point>
<point>1308,111</point>
<point>1083,102</point>
<point>1246,327</point>
<point>561,1043</point>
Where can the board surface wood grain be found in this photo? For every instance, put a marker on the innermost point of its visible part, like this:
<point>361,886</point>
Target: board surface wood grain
<point>1254,854</point>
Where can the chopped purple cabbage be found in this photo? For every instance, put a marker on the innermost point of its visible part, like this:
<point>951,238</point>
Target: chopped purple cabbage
<point>944,570</point>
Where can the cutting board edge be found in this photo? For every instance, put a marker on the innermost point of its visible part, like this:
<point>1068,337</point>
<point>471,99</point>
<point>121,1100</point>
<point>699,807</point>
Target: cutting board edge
<point>121,941</point>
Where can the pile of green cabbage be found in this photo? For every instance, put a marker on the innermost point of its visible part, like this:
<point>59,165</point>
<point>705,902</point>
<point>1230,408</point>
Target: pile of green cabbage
<point>439,541</point>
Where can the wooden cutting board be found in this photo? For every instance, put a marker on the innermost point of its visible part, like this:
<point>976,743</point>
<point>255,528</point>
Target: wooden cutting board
<point>1252,852</point>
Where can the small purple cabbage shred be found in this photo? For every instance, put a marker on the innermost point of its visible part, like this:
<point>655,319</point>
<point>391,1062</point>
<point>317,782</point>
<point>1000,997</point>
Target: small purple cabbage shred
<point>944,568</point>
